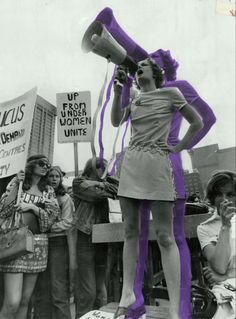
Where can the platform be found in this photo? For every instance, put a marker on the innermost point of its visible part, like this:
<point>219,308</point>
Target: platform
<point>153,312</point>
<point>114,232</point>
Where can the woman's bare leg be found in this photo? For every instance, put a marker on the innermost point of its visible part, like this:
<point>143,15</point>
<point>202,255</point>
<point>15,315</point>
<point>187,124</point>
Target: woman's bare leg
<point>130,210</point>
<point>138,308</point>
<point>185,259</point>
<point>29,281</point>
<point>162,213</point>
<point>13,283</point>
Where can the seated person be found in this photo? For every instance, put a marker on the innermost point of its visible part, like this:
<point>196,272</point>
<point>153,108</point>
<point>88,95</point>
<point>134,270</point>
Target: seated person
<point>217,239</point>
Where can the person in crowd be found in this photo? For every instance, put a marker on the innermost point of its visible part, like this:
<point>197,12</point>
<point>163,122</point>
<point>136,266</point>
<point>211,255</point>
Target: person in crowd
<point>52,293</point>
<point>170,65</point>
<point>39,209</point>
<point>217,239</point>
<point>91,195</point>
<point>146,174</point>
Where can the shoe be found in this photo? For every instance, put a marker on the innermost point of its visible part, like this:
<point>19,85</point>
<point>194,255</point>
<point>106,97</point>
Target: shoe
<point>137,313</point>
<point>121,311</point>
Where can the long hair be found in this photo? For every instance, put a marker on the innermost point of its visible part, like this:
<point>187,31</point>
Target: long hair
<point>218,180</point>
<point>60,191</point>
<point>88,168</point>
<point>164,59</point>
<point>29,170</point>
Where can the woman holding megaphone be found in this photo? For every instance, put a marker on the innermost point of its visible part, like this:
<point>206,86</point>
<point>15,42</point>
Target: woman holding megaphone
<point>146,174</point>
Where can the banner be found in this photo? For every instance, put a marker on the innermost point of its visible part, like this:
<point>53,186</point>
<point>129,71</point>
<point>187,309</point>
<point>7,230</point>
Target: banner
<point>74,117</point>
<point>15,127</point>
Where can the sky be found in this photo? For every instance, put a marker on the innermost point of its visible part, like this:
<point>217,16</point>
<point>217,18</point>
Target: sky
<point>41,46</point>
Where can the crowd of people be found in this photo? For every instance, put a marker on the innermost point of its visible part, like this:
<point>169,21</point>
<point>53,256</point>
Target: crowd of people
<point>65,261</point>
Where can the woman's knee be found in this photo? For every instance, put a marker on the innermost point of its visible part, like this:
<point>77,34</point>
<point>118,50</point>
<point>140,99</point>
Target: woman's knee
<point>10,307</point>
<point>164,239</point>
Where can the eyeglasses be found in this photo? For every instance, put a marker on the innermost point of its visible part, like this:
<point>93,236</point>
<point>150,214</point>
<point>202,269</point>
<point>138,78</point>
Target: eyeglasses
<point>43,164</point>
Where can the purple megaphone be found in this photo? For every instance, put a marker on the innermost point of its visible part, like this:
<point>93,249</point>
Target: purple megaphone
<point>106,38</point>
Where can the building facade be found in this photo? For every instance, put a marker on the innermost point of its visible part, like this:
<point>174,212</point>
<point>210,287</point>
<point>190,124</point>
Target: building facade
<point>43,129</point>
<point>193,183</point>
<point>210,158</point>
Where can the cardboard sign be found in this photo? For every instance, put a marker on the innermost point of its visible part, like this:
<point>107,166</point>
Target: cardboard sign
<point>74,117</point>
<point>15,126</point>
<point>98,314</point>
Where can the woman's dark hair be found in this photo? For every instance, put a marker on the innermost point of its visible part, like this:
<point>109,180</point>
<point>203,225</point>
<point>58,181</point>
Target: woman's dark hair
<point>164,59</point>
<point>88,168</point>
<point>218,180</point>
<point>61,190</point>
<point>158,73</point>
<point>31,163</point>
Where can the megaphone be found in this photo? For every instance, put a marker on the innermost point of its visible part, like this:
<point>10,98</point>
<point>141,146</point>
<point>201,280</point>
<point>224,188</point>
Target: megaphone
<point>98,40</point>
<point>106,38</point>
<point>134,51</point>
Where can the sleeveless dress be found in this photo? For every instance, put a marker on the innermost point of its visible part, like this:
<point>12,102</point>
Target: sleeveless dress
<point>146,171</point>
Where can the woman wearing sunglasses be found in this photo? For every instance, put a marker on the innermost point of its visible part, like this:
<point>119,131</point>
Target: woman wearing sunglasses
<point>39,209</point>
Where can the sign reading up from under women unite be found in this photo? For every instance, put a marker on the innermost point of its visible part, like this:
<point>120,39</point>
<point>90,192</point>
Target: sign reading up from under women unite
<point>15,127</point>
<point>74,117</point>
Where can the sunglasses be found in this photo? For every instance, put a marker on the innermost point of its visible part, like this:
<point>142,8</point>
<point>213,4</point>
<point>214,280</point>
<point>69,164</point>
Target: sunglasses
<point>43,164</point>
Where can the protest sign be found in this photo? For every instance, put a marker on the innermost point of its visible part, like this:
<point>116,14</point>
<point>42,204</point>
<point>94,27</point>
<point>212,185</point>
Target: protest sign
<point>15,127</point>
<point>74,117</point>
<point>98,314</point>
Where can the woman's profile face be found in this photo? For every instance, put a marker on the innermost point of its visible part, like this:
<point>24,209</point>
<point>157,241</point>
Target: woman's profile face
<point>41,167</point>
<point>54,178</point>
<point>144,71</point>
